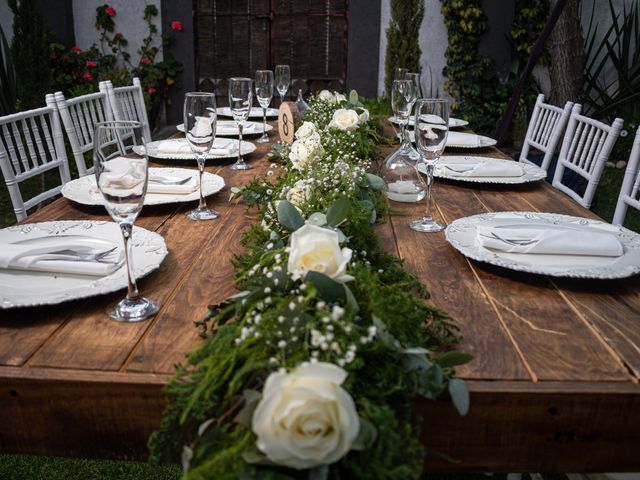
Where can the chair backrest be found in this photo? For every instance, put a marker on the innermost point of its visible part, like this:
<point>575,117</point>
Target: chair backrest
<point>545,130</point>
<point>31,143</point>
<point>585,149</point>
<point>630,184</point>
<point>127,103</point>
<point>79,117</point>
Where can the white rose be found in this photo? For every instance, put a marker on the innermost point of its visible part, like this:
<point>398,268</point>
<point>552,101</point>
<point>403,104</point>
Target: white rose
<point>306,129</point>
<point>344,119</point>
<point>305,151</point>
<point>339,97</point>
<point>299,193</point>
<point>327,96</point>
<point>305,418</point>
<point>317,249</point>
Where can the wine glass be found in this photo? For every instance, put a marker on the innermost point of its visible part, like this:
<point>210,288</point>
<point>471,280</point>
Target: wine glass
<point>402,99</point>
<point>283,79</point>
<point>432,127</point>
<point>417,84</point>
<point>121,176</point>
<point>200,132</point>
<point>264,94</point>
<point>400,73</point>
<point>240,98</point>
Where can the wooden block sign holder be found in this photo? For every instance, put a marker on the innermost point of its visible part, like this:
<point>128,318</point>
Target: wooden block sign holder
<point>287,116</point>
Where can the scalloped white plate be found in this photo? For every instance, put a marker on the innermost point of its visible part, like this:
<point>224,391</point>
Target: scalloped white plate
<point>230,128</point>
<point>245,148</point>
<point>481,141</point>
<point>256,112</point>
<point>80,191</point>
<point>532,173</point>
<point>461,234</point>
<point>453,122</point>
<point>27,289</point>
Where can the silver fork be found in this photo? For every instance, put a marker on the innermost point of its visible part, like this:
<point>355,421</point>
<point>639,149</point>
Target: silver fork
<point>515,242</point>
<point>73,256</point>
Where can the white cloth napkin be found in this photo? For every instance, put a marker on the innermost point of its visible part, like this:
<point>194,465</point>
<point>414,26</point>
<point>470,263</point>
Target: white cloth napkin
<point>482,169</point>
<point>463,139</point>
<point>176,146</point>
<point>38,254</point>
<point>172,189</point>
<point>550,240</point>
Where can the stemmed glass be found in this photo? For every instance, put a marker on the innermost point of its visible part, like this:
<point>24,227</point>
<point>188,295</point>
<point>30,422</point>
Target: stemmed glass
<point>264,94</point>
<point>415,77</point>
<point>432,127</point>
<point>200,132</point>
<point>283,79</point>
<point>403,97</point>
<point>400,73</point>
<point>121,177</point>
<point>240,98</point>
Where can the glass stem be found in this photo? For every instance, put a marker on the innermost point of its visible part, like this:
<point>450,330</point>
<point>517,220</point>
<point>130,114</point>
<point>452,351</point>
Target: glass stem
<point>264,121</point>
<point>202,205</point>
<point>240,126</point>
<point>132,288</point>
<point>427,212</point>
<point>403,135</point>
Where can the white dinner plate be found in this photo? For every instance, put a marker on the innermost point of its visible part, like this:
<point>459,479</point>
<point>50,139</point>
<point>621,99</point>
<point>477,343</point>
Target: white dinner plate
<point>453,122</point>
<point>82,190</point>
<point>461,234</point>
<point>246,148</point>
<point>229,128</point>
<point>20,288</point>
<point>532,173</point>
<point>480,141</point>
<point>256,112</point>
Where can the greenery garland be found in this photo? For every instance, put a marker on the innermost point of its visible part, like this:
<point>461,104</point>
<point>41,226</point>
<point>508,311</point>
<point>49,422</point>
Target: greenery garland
<point>329,335</point>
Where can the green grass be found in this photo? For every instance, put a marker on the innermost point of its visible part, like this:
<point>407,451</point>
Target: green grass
<point>606,198</point>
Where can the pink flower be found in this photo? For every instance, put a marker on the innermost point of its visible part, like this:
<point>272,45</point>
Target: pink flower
<point>151,90</point>
<point>87,76</point>
<point>91,63</point>
<point>76,49</point>
<point>176,25</point>
<point>145,60</point>
<point>110,11</point>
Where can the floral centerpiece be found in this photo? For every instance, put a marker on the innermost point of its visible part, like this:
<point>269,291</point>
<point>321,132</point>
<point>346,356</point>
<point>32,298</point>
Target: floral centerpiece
<point>311,371</point>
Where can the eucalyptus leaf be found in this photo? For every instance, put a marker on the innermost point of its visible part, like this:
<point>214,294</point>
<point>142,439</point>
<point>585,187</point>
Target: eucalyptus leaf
<point>451,359</point>
<point>319,219</point>
<point>328,289</point>
<point>415,359</point>
<point>245,415</point>
<point>431,381</point>
<point>375,182</point>
<point>367,435</point>
<point>288,216</point>
<point>385,337</point>
<point>459,395</point>
<point>351,299</point>
<point>338,211</point>
<point>319,473</point>
<point>255,456</point>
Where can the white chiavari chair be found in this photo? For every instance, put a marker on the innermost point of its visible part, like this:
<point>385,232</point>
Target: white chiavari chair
<point>585,149</point>
<point>127,103</point>
<point>31,143</point>
<point>79,117</point>
<point>630,184</point>
<point>545,130</point>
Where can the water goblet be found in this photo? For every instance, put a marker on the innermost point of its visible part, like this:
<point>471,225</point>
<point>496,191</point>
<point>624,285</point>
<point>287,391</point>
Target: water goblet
<point>264,94</point>
<point>283,80</point>
<point>240,98</point>
<point>121,176</point>
<point>431,129</point>
<point>200,132</point>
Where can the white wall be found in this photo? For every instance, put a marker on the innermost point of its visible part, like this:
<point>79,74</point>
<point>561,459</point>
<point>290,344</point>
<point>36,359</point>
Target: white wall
<point>129,20</point>
<point>6,20</point>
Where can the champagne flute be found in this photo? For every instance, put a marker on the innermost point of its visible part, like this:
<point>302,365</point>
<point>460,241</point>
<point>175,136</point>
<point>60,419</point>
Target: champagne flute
<point>417,84</point>
<point>264,94</point>
<point>432,127</point>
<point>283,79</point>
<point>200,132</point>
<point>240,98</point>
<point>403,97</point>
<point>400,73</point>
<point>121,177</point>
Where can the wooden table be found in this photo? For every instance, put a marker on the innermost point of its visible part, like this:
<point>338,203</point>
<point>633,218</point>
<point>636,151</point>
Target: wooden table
<point>554,383</point>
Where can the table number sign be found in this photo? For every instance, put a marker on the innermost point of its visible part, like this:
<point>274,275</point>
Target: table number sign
<point>287,116</point>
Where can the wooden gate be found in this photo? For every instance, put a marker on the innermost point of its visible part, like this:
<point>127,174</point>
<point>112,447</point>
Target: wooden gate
<point>238,37</point>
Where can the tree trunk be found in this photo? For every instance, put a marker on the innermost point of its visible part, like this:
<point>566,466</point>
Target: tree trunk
<point>567,55</point>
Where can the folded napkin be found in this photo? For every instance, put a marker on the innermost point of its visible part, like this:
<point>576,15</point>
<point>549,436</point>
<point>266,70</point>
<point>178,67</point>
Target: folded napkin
<point>174,146</point>
<point>463,139</point>
<point>482,169</point>
<point>550,240</point>
<point>39,254</point>
<point>162,183</point>
<point>227,127</point>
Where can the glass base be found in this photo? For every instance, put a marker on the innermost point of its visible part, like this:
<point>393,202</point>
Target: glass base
<point>203,214</point>
<point>263,139</point>
<point>426,225</point>
<point>240,166</point>
<point>134,310</point>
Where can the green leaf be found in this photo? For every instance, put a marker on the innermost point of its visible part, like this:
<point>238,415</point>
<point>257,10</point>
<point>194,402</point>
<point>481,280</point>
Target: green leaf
<point>288,216</point>
<point>415,359</point>
<point>451,359</point>
<point>351,299</point>
<point>319,473</point>
<point>338,211</point>
<point>318,218</point>
<point>244,416</point>
<point>353,97</point>
<point>375,182</point>
<point>328,289</point>
<point>255,456</point>
<point>385,337</point>
<point>459,395</point>
<point>367,435</point>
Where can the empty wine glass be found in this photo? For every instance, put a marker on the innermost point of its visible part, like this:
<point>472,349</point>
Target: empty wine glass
<point>283,80</point>
<point>432,127</point>
<point>400,73</point>
<point>264,94</point>
<point>240,98</point>
<point>200,132</point>
<point>417,84</point>
<point>402,99</point>
<point>121,176</point>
